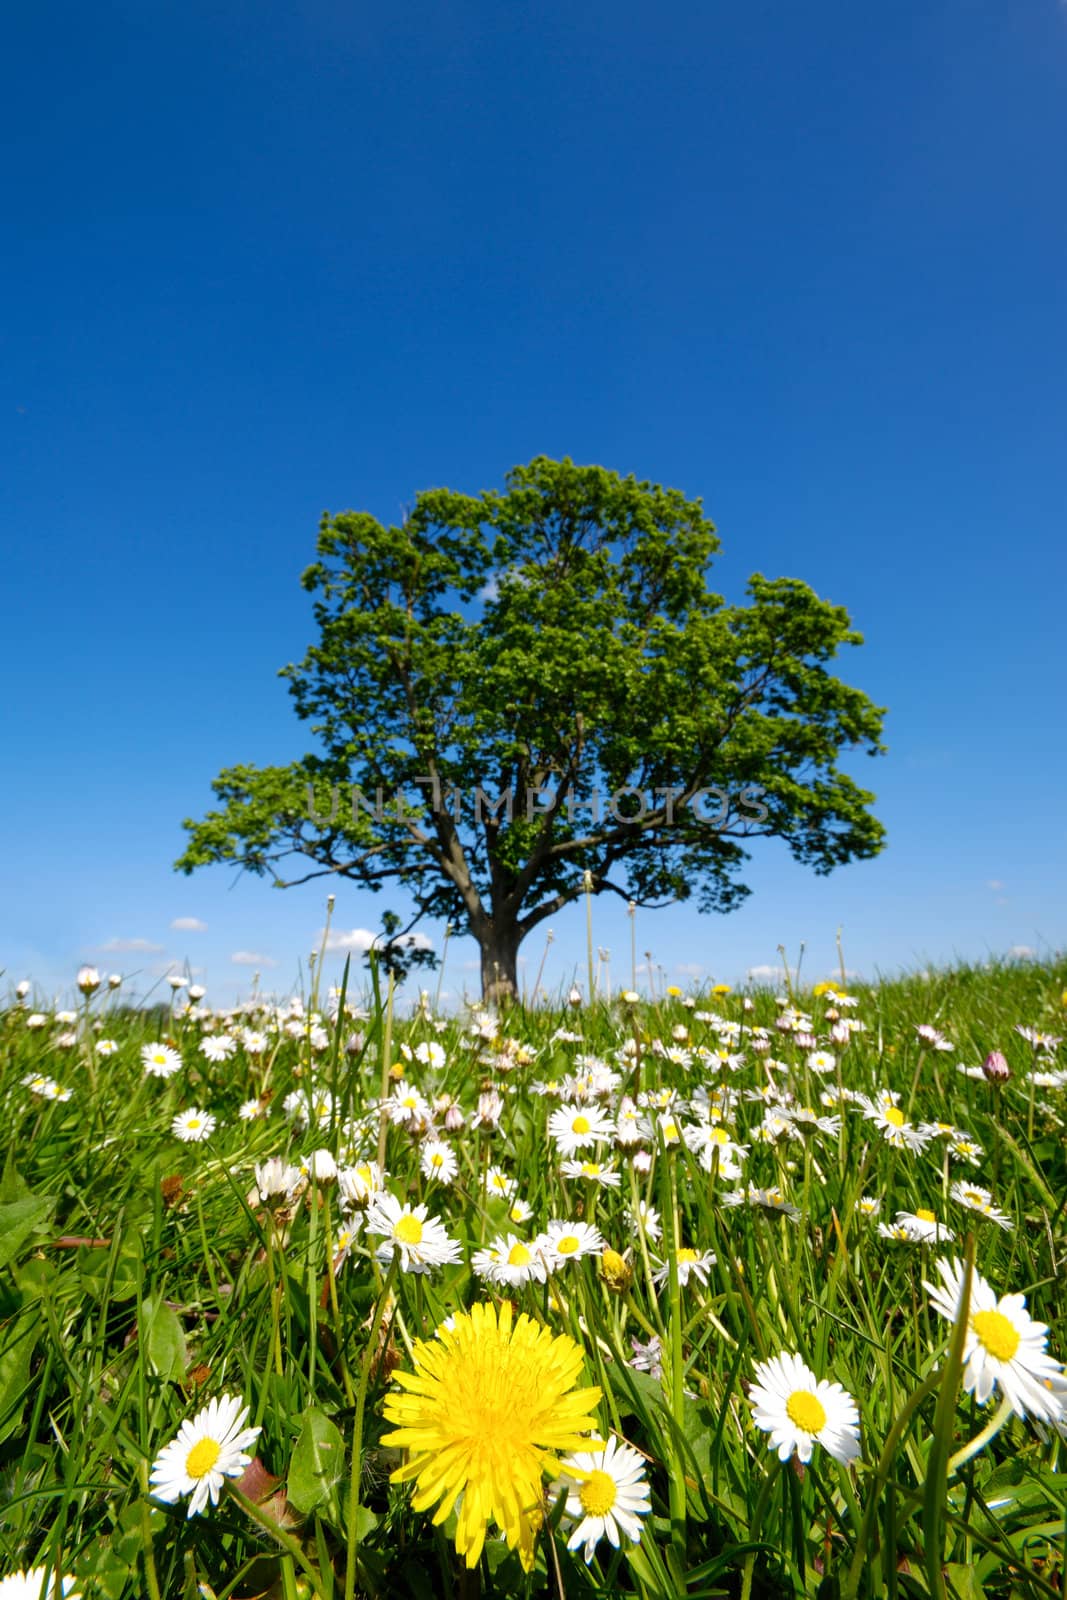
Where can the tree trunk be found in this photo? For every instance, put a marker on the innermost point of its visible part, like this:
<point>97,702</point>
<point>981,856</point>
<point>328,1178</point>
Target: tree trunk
<point>500,951</point>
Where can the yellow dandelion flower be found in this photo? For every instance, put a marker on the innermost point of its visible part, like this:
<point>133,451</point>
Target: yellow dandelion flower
<point>486,1413</point>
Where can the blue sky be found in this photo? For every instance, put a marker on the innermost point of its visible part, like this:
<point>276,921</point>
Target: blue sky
<point>263,260</point>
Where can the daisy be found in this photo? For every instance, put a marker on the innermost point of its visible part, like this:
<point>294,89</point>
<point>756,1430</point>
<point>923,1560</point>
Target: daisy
<point>360,1183</point>
<point>431,1055</point>
<point>647,1219</point>
<point>193,1126</point>
<point>276,1179</point>
<point>106,1047</point>
<point>438,1161</point>
<point>868,1205</point>
<point>218,1047</point>
<point>408,1106</point>
<point>567,1241</point>
<point>491,1404</point>
<point>691,1264</point>
<point>923,1226</point>
<point>821,1061</point>
<point>975,1198</point>
<point>575,1127</point>
<point>519,1212</point>
<point>1004,1345</point>
<point>421,1240</point>
<point>896,1129</point>
<point>37,1584</point>
<point>208,1449</point>
<point>799,1410</point>
<point>607,1494</point>
<point>592,1171</point>
<point>498,1184</point>
<point>251,1110</point>
<point>159,1060</point>
<point>510,1261</point>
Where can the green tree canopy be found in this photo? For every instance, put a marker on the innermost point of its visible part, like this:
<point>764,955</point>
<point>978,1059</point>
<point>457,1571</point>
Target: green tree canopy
<point>556,643</point>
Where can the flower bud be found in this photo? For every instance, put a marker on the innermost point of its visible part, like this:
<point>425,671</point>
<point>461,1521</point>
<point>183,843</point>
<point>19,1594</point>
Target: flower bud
<point>88,980</point>
<point>995,1066</point>
<point>114,979</point>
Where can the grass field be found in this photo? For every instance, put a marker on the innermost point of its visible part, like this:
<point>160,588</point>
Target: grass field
<point>598,1230</point>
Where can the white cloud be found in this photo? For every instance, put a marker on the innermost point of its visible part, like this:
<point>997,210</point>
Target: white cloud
<point>360,940</point>
<point>1022,952</point>
<point>189,925</point>
<point>994,883</point>
<point>252,958</point>
<point>689,969</point>
<point>764,972</point>
<point>490,589</point>
<point>131,946</point>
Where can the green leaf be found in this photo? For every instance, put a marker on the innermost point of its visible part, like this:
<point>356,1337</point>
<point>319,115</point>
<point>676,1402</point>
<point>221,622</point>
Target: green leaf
<point>963,1581</point>
<point>15,1359</point>
<point>164,1339</point>
<point>19,1220</point>
<point>317,1461</point>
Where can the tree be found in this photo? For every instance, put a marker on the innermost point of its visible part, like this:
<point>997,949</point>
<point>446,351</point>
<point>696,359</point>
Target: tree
<point>519,695</point>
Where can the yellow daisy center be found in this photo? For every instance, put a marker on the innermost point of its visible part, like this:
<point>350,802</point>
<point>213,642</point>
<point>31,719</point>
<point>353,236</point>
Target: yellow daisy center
<point>894,1116</point>
<point>437,1159</point>
<point>925,1216</point>
<point>598,1493</point>
<point>519,1255</point>
<point>806,1411</point>
<point>998,1335</point>
<point>408,1230</point>
<point>670,1130</point>
<point>580,1125</point>
<point>591,1169</point>
<point>202,1457</point>
<point>568,1244</point>
<point>685,1254</point>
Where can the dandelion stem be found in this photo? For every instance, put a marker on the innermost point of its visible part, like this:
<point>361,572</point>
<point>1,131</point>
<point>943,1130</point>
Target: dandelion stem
<point>355,1482</point>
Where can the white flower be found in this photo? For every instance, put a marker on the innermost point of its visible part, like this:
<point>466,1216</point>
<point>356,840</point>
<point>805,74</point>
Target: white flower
<point>566,1241</point>
<point>592,1171</point>
<point>37,1584</point>
<point>320,1166</point>
<point>106,1047</point>
<point>276,1179</point>
<point>607,1494</point>
<point>360,1183</point>
<point>499,1184</point>
<point>251,1110</point>
<point>576,1127</point>
<point>193,1126</point>
<point>799,1410</point>
<point>438,1161</point>
<point>431,1055</point>
<point>208,1449</point>
<point>421,1240</point>
<point>88,980</point>
<point>408,1106</point>
<point>691,1264</point>
<point>975,1198</point>
<point>218,1047</point>
<point>159,1060</point>
<point>1004,1345</point>
<point>510,1261</point>
<point>924,1226</point>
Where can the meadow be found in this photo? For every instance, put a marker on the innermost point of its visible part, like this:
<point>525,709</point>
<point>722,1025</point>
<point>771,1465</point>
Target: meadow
<point>712,1293</point>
